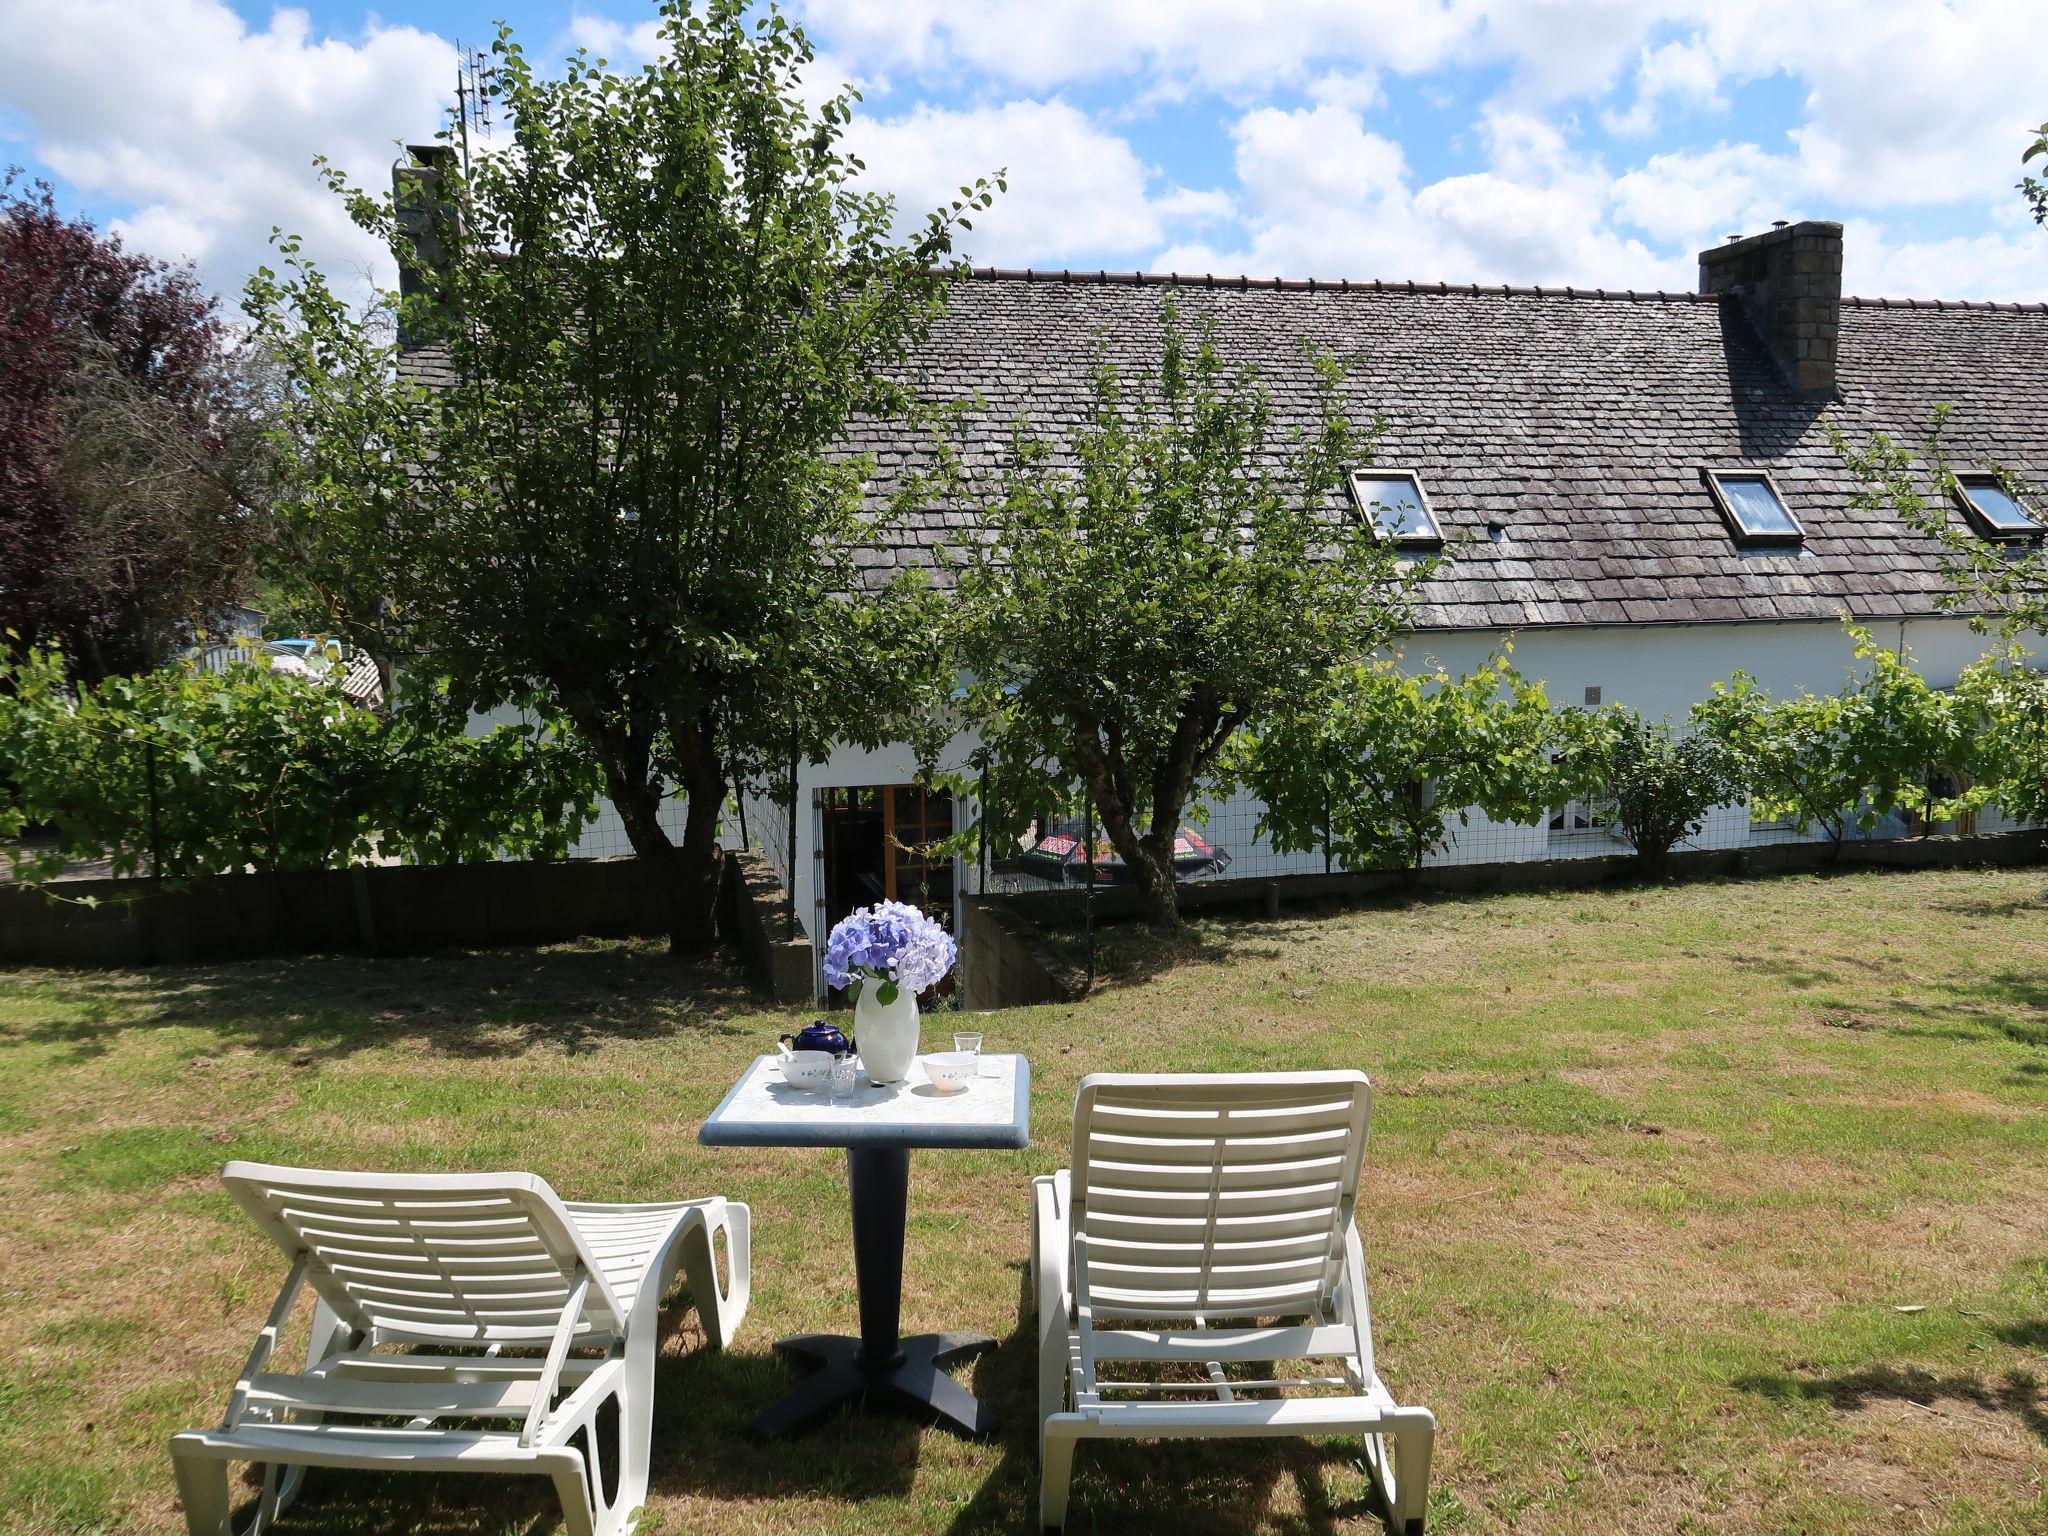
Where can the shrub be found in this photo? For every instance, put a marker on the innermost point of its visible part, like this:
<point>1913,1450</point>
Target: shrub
<point>218,772</point>
<point>1381,761</point>
<point>1888,742</point>
<point>1659,783</point>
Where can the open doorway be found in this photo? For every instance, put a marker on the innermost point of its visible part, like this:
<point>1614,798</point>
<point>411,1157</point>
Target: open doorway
<point>880,845</point>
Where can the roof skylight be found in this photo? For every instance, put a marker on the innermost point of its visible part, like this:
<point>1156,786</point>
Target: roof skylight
<point>1756,513</point>
<point>1399,511</point>
<point>1995,511</point>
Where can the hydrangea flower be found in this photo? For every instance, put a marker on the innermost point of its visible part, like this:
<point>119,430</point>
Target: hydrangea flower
<point>889,942</point>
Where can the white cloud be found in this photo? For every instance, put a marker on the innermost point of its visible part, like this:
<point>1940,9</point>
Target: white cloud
<point>1356,89</point>
<point>207,127</point>
<point>2007,267</point>
<point>1692,198</point>
<point>1685,71</point>
<point>1075,190</point>
<point>1905,118</point>
<point>1224,44</point>
<point>1323,195</point>
<point>1905,102</point>
<point>629,45</point>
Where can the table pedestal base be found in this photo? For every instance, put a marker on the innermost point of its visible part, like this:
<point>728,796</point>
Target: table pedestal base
<point>915,1382</point>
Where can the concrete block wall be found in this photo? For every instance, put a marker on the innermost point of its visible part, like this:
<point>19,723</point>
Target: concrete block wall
<point>1789,283</point>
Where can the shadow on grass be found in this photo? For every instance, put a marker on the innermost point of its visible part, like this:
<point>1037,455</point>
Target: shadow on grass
<point>1190,1486</point>
<point>1800,976</point>
<point>1128,953</point>
<point>701,1449</point>
<point>1979,906</point>
<point>2009,1003</point>
<point>2018,1394</point>
<point>2028,1335</point>
<point>472,1003</point>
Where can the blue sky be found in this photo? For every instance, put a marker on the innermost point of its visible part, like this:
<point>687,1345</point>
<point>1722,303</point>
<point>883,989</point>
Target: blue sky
<point>1593,142</point>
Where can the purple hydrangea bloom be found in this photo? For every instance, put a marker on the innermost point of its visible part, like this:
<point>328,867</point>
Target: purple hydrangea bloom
<point>889,941</point>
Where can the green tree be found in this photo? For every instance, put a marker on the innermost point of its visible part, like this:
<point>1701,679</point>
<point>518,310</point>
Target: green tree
<point>217,772</point>
<point>2006,702</point>
<point>2032,187</point>
<point>658,306</point>
<point>1377,762</point>
<point>1659,784</point>
<point>1177,568</point>
<point>1887,742</point>
<point>2003,584</point>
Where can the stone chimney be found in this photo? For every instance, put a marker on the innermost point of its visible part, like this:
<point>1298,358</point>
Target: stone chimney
<point>1789,283</point>
<point>422,212</point>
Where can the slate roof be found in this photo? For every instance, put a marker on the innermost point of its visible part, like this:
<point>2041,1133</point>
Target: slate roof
<point>1560,433</point>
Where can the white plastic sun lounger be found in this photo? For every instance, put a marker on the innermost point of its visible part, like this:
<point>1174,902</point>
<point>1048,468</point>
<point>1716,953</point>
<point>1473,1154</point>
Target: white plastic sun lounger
<point>1207,1221</point>
<point>462,1271</point>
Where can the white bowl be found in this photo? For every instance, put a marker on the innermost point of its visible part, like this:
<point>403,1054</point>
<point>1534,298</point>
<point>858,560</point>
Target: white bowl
<point>808,1070</point>
<point>950,1071</point>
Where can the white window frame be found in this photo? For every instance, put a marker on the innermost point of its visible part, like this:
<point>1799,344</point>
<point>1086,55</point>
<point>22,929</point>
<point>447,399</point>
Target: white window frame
<point>1980,521</point>
<point>1745,536</point>
<point>1363,501</point>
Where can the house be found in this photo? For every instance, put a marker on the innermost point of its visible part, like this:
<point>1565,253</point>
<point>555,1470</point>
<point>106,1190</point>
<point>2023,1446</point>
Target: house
<point>1642,490</point>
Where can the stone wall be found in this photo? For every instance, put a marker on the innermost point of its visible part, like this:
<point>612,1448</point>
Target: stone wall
<point>382,910</point>
<point>1003,961</point>
<point>753,916</point>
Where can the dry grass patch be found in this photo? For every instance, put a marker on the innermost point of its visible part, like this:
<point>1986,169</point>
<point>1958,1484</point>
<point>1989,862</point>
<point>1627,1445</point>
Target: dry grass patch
<point>1653,1172</point>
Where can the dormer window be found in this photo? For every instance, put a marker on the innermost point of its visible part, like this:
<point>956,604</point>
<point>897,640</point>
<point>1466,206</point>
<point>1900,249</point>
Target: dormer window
<point>1756,514</point>
<point>1393,502</point>
<point>1993,510</point>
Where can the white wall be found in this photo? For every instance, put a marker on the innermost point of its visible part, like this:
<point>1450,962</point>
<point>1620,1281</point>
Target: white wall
<point>1660,671</point>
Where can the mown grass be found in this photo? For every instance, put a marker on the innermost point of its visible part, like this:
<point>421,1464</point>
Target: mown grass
<point>1656,1174</point>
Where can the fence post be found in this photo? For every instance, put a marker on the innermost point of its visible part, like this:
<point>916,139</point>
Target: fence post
<point>789,894</point>
<point>156,849</point>
<point>1326,816</point>
<point>1088,873</point>
<point>983,797</point>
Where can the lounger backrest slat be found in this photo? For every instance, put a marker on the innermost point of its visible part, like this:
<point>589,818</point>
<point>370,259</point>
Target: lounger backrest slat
<point>471,1258</point>
<point>1218,1196</point>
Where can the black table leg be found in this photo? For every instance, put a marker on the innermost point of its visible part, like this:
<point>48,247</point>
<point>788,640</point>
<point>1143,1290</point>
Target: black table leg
<point>880,1367</point>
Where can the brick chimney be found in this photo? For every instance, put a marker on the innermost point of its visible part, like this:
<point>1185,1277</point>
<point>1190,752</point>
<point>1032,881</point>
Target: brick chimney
<point>1789,283</point>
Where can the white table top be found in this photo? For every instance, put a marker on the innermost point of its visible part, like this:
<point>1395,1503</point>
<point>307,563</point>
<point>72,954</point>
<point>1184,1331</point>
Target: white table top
<point>993,1110</point>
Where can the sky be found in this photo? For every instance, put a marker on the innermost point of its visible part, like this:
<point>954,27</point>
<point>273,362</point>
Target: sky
<point>1599,143</point>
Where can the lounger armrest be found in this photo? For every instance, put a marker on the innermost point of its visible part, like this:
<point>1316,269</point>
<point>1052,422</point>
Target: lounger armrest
<point>1052,1247</point>
<point>558,1351</point>
<point>266,1341</point>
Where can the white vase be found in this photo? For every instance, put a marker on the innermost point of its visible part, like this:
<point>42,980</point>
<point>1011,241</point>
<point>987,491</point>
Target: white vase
<point>885,1033</point>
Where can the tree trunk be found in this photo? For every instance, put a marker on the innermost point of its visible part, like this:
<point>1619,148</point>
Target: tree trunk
<point>1156,895</point>
<point>700,863</point>
<point>701,859</point>
<point>1152,873</point>
<point>638,802</point>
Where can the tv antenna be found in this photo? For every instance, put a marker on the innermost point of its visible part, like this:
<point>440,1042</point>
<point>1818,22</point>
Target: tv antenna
<point>475,80</point>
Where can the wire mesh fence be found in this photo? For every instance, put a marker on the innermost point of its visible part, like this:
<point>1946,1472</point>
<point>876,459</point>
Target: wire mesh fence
<point>1223,841</point>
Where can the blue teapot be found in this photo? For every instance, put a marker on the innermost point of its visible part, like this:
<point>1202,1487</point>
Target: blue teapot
<point>819,1037</point>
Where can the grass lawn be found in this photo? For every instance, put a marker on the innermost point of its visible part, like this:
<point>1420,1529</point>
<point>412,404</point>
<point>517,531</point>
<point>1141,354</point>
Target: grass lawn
<point>1713,1208</point>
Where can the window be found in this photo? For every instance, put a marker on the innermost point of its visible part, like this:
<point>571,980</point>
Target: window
<point>1590,814</point>
<point>1393,500</point>
<point>1995,512</point>
<point>1756,513</point>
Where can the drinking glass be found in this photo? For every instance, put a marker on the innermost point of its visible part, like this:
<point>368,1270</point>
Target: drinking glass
<point>971,1043</point>
<point>845,1076</point>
